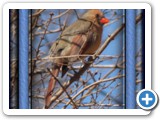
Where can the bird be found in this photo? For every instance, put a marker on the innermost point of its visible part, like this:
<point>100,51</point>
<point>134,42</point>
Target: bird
<point>83,37</point>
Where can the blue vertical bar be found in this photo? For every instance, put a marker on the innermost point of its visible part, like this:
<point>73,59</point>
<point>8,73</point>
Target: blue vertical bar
<point>23,59</point>
<point>130,59</point>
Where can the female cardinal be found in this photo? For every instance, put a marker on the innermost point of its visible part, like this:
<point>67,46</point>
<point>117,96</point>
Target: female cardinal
<point>82,37</point>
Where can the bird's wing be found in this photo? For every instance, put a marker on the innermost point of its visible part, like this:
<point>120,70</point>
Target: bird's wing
<point>79,27</point>
<point>83,43</point>
<point>75,40</point>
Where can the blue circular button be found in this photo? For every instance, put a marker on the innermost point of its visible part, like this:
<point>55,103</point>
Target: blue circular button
<point>147,99</point>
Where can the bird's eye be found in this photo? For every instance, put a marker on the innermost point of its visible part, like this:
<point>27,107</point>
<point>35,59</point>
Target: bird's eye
<point>97,15</point>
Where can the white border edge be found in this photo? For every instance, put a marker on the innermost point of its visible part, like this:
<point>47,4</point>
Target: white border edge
<point>8,111</point>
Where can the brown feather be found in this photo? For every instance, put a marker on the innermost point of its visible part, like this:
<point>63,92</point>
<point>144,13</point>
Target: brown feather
<point>51,87</point>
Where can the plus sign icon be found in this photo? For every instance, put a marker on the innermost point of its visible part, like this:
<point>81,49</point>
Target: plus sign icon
<point>147,99</point>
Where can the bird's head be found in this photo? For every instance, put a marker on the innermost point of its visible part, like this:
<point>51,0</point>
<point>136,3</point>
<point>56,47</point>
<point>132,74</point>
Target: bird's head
<point>95,16</point>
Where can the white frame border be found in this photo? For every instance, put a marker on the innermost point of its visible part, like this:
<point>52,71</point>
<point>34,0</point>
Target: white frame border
<point>5,52</point>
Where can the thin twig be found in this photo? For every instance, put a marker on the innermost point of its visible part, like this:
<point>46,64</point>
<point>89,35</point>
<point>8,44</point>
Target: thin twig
<point>63,88</point>
<point>95,83</point>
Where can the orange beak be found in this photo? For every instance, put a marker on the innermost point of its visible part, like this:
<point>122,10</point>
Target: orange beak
<point>104,20</point>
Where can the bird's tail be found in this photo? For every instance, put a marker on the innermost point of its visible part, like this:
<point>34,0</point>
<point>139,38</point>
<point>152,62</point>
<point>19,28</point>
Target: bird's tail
<point>51,86</point>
